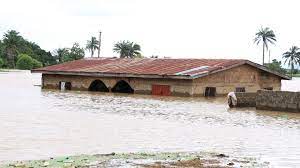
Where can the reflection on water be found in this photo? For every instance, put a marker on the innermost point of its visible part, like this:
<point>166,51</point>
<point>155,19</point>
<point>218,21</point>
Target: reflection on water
<point>37,124</point>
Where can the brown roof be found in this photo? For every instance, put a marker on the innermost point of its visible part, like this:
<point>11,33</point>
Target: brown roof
<point>146,67</point>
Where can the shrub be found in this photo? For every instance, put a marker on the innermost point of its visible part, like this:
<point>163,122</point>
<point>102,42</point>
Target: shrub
<point>36,64</point>
<point>24,62</point>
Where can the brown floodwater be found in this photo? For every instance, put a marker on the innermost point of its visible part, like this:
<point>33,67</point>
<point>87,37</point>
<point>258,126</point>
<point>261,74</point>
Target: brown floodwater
<point>37,124</point>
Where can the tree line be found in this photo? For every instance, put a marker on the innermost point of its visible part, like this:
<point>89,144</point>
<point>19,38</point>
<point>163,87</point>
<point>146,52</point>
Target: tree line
<point>18,52</point>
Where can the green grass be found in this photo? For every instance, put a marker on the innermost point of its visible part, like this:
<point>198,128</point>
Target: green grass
<point>296,75</point>
<point>129,159</point>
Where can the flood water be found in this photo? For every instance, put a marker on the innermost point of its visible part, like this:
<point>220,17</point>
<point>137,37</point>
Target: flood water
<point>37,124</point>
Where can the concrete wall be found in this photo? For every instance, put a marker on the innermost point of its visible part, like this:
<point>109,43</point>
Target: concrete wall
<point>278,100</point>
<point>225,82</point>
<point>242,76</point>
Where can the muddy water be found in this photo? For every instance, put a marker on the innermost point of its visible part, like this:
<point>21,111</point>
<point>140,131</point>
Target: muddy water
<point>37,124</point>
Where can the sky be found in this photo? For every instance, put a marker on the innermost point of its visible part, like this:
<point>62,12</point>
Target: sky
<point>166,28</point>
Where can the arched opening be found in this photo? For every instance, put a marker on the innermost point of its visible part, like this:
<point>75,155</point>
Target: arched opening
<point>98,86</point>
<point>122,87</point>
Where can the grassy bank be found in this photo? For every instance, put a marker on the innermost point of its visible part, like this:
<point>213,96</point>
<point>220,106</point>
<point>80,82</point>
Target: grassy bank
<point>147,160</point>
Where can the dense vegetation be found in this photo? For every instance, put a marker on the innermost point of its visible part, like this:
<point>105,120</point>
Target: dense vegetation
<point>18,52</point>
<point>276,66</point>
<point>26,62</point>
<point>69,54</point>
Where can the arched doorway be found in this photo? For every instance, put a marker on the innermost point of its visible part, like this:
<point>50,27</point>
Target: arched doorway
<point>122,87</point>
<point>98,86</point>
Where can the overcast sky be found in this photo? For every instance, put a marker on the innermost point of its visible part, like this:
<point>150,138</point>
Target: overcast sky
<point>172,28</point>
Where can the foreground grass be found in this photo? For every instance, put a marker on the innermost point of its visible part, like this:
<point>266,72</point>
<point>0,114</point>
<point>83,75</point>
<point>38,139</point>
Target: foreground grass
<point>146,160</point>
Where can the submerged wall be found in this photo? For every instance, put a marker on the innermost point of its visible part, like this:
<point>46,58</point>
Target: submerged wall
<point>270,100</point>
<point>246,99</point>
<point>278,100</point>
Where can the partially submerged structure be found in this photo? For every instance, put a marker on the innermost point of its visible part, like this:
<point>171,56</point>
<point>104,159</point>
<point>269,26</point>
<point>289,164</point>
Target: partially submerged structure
<point>183,77</point>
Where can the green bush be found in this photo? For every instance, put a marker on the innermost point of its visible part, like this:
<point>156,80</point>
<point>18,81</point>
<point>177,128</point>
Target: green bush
<point>24,62</point>
<point>36,64</point>
<point>1,62</point>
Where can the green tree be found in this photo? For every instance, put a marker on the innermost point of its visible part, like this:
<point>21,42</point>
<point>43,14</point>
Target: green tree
<point>127,49</point>
<point>61,54</point>
<point>14,44</point>
<point>39,54</point>
<point>25,62</point>
<point>11,41</point>
<point>92,45</point>
<point>36,64</point>
<point>69,54</point>
<point>292,57</point>
<point>265,36</point>
<point>76,52</point>
<point>276,66</point>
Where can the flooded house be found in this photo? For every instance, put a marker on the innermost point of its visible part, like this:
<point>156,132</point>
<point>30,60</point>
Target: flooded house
<point>178,77</point>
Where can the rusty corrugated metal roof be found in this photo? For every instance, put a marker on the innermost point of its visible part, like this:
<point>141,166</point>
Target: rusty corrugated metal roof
<point>190,68</point>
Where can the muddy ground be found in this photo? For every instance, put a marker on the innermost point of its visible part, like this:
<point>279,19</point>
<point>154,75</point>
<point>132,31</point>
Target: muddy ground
<point>143,160</point>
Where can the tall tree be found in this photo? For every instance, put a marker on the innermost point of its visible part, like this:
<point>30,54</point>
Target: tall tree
<point>92,45</point>
<point>265,36</point>
<point>76,52</point>
<point>292,57</point>
<point>11,41</point>
<point>127,49</point>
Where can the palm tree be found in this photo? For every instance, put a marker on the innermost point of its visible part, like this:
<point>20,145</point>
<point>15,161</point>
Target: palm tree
<point>127,49</point>
<point>92,45</point>
<point>11,41</point>
<point>292,57</point>
<point>266,36</point>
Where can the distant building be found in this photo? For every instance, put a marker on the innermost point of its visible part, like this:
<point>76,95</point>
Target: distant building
<point>182,77</point>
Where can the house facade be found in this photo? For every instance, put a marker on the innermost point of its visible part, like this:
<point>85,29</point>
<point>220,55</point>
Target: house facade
<point>167,77</point>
